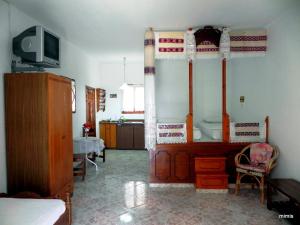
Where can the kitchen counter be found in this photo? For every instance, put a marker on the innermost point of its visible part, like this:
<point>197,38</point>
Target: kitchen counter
<point>128,134</point>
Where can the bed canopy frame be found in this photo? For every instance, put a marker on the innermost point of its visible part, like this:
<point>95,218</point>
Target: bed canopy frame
<point>174,163</point>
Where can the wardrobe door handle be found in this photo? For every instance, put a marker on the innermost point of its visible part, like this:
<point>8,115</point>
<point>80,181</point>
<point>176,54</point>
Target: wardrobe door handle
<point>63,137</point>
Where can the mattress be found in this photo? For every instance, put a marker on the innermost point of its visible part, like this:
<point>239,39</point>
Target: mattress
<point>15,211</point>
<point>212,130</point>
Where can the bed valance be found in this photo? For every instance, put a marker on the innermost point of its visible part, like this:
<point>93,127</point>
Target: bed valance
<point>243,43</point>
<point>170,45</point>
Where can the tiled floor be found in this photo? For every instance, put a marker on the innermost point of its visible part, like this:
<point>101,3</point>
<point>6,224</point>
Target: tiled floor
<point>119,193</point>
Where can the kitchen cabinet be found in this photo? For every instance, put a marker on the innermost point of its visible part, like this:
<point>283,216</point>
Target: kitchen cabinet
<point>108,133</point>
<point>130,135</point>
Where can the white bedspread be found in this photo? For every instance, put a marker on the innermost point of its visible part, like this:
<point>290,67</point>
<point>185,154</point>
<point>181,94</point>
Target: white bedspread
<point>15,211</point>
<point>212,129</point>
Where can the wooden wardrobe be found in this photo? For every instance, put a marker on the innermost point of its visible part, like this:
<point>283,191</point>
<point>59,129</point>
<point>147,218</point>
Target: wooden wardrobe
<point>39,142</point>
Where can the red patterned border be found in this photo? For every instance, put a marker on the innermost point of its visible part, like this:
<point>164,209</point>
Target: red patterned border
<point>247,125</point>
<point>249,49</point>
<point>170,49</point>
<point>207,49</point>
<point>247,133</point>
<point>149,70</point>
<point>171,135</point>
<point>171,126</point>
<point>149,42</point>
<point>171,40</point>
<point>248,38</point>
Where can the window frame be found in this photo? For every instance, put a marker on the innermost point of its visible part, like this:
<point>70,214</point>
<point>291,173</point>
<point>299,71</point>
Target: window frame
<point>134,111</point>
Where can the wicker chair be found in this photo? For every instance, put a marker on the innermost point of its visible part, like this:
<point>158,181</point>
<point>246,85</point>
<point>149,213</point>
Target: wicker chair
<point>263,158</point>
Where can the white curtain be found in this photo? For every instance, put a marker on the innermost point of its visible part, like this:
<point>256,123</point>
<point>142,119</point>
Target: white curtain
<point>225,44</point>
<point>150,111</point>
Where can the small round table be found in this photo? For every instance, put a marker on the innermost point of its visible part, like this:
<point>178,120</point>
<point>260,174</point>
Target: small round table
<point>88,145</point>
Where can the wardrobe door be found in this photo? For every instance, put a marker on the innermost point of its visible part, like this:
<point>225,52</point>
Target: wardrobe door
<point>60,133</point>
<point>26,133</point>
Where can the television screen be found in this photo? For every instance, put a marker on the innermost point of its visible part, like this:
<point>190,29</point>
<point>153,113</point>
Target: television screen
<point>51,46</point>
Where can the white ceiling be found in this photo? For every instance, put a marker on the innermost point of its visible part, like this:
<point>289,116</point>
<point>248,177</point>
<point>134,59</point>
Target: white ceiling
<point>116,27</point>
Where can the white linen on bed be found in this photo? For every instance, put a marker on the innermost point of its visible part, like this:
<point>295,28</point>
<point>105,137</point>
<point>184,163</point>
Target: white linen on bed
<point>16,211</point>
<point>212,129</point>
<point>196,133</point>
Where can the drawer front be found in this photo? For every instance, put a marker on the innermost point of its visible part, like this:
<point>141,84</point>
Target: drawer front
<point>209,165</point>
<point>212,181</point>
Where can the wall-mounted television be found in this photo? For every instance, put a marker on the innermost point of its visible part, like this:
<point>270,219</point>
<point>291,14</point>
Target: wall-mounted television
<point>38,47</point>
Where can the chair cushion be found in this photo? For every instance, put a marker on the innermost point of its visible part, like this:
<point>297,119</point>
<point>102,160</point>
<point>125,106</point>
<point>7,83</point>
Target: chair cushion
<point>260,153</point>
<point>254,167</point>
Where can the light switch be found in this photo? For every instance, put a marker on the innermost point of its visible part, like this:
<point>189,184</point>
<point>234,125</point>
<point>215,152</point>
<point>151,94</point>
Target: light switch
<point>242,99</point>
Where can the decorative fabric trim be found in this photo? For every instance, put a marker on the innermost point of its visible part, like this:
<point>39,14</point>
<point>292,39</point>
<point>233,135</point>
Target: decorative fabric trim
<point>170,40</point>
<point>248,49</point>
<point>248,38</point>
<point>246,133</point>
<point>149,42</point>
<point>207,50</point>
<point>247,125</point>
<point>150,109</point>
<point>248,41</point>
<point>171,126</point>
<point>171,49</point>
<point>149,70</point>
<point>247,129</point>
<point>171,133</point>
<point>170,45</point>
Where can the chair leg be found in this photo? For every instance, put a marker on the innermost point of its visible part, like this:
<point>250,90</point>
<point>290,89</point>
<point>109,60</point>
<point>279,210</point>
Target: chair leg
<point>262,190</point>
<point>84,169</point>
<point>253,183</point>
<point>238,183</point>
<point>104,155</point>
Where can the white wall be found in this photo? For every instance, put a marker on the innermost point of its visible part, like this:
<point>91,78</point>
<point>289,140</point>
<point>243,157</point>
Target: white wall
<point>271,87</point>
<point>207,88</point>
<point>172,89</point>
<point>111,78</point>
<point>4,67</point>
<point>75,64</point>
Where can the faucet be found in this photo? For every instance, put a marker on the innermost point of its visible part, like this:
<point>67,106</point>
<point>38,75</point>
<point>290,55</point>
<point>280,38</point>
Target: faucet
<point>121,119</point>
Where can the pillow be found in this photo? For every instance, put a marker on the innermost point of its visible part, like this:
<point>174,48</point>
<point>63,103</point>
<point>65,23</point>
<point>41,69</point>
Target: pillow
<point>260,153</point>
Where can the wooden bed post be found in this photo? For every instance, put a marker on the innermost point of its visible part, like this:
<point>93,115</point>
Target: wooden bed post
<point>225,116</point>
<point>69,208</point>
<point>189,118</point>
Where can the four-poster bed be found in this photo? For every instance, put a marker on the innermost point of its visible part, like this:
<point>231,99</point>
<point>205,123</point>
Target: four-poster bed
<point>173,162</point>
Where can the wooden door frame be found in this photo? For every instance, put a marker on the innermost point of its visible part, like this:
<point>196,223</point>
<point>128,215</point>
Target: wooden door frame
<point>86,106</point>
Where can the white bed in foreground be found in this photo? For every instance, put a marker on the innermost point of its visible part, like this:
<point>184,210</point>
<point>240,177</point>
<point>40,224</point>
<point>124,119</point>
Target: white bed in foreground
<point>14,211</point>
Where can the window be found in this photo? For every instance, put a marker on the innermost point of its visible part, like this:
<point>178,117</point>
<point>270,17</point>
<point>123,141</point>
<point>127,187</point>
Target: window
<point>133,99</point>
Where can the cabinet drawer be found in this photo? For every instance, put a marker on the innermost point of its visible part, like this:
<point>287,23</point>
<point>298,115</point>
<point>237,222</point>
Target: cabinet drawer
<point>218,181</point>
<point>206,164</point>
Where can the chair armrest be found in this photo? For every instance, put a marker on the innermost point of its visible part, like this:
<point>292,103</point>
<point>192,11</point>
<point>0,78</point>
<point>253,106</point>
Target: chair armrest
<point>273,161</point>
<point>238,157</point>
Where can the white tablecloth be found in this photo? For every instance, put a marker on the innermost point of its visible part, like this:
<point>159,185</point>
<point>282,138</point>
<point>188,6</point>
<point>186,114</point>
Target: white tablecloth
<point>88,145</point>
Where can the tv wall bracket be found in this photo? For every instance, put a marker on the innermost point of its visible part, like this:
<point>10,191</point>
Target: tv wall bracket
<point>15,68</point>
